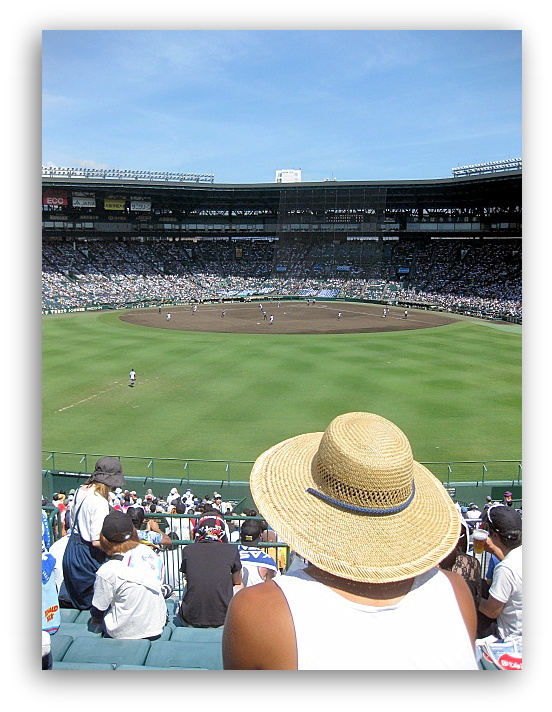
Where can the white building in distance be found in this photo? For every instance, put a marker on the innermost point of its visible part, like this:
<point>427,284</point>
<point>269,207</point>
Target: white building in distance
<point>288,176</point>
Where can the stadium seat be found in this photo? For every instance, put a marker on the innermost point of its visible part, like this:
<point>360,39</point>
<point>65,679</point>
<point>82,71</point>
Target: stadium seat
<point>181,654</point>
<point>197,635</point>
<point>108,650</point>
<point>151,667</point>
<point>83,617</point>
<point>69,615</point>
<point>62,665</point>
<point>77,630</point>
<point>167,631</point>
<point>60,644</point>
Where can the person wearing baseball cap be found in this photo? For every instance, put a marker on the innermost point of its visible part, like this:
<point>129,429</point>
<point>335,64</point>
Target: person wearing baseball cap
<point>374,525</point>
<point>504,603</point>
<point>128,593</point>
<point>83,555</point>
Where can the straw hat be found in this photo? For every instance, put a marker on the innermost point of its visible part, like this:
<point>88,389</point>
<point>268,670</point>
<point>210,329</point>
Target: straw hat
<point>354,502</point>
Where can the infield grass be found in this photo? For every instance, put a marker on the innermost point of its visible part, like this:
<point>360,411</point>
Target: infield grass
<point>454,390</point>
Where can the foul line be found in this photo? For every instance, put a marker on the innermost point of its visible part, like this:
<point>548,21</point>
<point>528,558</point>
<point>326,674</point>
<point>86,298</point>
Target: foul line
<point>95,395</point>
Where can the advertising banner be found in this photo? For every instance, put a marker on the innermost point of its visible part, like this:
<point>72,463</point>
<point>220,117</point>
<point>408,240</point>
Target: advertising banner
<point>140,205</point>
<point>54,197</point>
<point>84,202</point>
<point>114,204</point>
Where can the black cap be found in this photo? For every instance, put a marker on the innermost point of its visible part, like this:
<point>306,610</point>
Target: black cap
<point>117,526</point>
<point>504,520</point>
<point>251,530</point>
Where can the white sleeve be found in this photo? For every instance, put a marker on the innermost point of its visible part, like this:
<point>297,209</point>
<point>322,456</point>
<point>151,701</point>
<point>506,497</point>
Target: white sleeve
<point>104,591</point>
<point>503,584</point>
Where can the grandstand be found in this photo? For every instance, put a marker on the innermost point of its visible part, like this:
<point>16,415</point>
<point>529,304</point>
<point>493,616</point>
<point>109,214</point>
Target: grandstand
<point>454,243</point>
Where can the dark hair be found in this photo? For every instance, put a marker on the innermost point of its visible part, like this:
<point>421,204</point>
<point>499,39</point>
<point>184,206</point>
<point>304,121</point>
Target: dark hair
<point>137,516</point>
<point>448,562</point>
<point>512,539</point>
<point>179,506</point>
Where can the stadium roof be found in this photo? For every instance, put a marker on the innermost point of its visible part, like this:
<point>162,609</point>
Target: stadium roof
<point>494,190</point>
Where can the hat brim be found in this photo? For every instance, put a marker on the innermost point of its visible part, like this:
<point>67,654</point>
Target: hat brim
<point>111,479</point>
<point>358,547</point>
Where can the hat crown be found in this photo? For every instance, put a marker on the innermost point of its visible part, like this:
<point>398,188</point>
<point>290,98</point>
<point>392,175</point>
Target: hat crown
<point>364,460</point>
<point>108,470</point>
<point>117,526</point>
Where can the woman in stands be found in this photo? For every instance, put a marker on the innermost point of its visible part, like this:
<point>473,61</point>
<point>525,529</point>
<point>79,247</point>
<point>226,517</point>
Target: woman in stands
<point>83,555</point>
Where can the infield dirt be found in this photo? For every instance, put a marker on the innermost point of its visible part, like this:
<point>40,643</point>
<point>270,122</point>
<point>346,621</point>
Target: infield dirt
<point>289,318</point>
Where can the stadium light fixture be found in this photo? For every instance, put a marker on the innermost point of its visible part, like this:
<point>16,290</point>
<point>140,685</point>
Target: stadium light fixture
<point>120,174</point>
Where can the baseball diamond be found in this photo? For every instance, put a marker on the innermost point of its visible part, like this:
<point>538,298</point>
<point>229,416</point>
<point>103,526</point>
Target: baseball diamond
<point>289,318</point>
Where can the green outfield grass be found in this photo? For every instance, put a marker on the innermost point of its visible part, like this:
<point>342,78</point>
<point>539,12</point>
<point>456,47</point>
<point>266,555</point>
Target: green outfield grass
<point>454,390</point>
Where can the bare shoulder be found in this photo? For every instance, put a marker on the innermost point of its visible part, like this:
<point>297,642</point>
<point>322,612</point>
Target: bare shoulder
<point>259,632</point>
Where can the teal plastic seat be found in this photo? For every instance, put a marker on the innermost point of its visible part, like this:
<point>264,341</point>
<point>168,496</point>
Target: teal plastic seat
<point>151,667</point>
<point>59,645</point>
<point>185,654</point>
<point>198,635</point>
<point>69,615</point>
<point>77,630</point>
<point>62,665</point>
<point>167,632</point>
<point>83,617</point>
<point>88,649</point>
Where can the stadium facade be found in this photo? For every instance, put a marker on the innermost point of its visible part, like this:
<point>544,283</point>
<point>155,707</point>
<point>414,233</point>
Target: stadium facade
<point>481,206</point>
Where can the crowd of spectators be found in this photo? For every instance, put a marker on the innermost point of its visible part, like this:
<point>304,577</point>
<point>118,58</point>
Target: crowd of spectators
<point>482,279</point>
<point>132,574</point>
<point>154,517</point>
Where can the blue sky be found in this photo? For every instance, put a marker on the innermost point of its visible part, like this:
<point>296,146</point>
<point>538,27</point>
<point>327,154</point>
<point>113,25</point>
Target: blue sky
<point>241,104</point>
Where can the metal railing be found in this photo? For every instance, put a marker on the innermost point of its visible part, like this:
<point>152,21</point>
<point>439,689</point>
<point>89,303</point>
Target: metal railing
<point>182,470</point>
<point>172,556</point>
<point>185,471</point>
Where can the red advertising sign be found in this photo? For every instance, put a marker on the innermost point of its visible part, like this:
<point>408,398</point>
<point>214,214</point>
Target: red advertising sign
<point>54,197</point>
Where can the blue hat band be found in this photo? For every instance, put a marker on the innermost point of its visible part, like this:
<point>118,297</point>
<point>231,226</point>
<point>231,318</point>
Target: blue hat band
<point>363,510</point>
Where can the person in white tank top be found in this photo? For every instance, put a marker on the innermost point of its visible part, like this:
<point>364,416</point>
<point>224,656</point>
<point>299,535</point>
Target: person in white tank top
<point>374,525</point>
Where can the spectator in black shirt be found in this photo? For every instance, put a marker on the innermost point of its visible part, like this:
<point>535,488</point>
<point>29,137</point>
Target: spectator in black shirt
<point>212,569</point>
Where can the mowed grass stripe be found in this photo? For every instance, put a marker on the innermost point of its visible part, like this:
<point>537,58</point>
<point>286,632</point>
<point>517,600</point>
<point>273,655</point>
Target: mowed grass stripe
<point>454,390</point>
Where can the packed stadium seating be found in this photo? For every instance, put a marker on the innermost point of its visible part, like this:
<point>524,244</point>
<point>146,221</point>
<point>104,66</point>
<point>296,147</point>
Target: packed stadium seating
<point>483,279</point>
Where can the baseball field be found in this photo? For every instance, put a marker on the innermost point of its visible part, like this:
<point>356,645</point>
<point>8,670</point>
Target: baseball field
<point>227,386</point>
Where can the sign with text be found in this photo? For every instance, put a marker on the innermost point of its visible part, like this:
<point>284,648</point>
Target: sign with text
<point>84,202</point>
<point>114,204</point>
<point>54,197</point>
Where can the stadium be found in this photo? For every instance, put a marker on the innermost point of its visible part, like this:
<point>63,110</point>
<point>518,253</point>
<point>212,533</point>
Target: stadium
<point>253,313</point>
